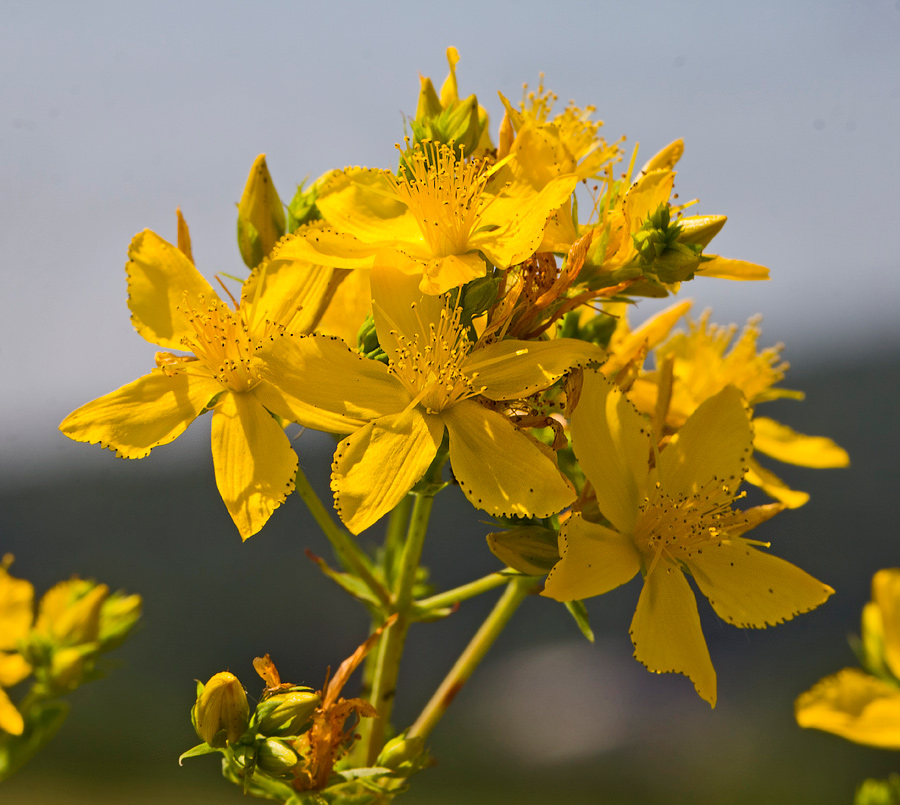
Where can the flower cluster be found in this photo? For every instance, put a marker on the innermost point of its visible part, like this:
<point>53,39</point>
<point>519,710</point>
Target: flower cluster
<point>469,307</point>
<point>57,648</point>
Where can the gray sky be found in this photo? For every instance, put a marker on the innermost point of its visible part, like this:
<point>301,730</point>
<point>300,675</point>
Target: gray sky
<point>113,114</point>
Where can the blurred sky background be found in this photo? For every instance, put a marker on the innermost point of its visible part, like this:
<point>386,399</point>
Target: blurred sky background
<point>112,114</point>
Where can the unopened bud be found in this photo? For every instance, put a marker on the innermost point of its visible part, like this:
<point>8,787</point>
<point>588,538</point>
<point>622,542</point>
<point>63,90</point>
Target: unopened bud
<point>287,713</point>
<point>275,757</point>
<point>221,713</point>
<point>400,750</point>
<point>529,549</point>
<point>261,220</point>
<point>699,230</point>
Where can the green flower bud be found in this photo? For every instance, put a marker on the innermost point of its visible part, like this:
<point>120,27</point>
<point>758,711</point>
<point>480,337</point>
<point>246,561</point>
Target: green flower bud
<point>478,296</point>
<point>275,757</point>
<point>260,215</point>
<point>530,549</point>
<point>221,713</point>
<point>677,263</point>
<point>287,713</point>
<point>400,750</point>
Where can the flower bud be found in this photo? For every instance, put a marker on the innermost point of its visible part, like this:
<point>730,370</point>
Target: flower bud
<point>275,757</point>
<point>287,713</point>
<point>529,549</point>
<point>400,750</point>
<point>699,230</point>
<point>260,215</point>
<point>221,708</point>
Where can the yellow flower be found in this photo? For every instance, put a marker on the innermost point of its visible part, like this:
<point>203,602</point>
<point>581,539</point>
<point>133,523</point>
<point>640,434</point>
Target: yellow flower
<point>173,306</point>
<point>567,143</point>
<point>16,613</point>
<point>397,414</point>
<point>856,705</point>
<point>435,221</point>
<point>703,362</point>
<point>672,518</point>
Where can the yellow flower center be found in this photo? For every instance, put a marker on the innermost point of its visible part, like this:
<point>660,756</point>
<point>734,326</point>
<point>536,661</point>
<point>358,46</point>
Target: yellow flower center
<point>681,527</point>
<point>444,196</point>
<point>429,365</point>
<point>223,343</point>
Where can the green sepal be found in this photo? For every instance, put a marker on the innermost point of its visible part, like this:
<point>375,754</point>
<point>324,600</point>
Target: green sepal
<point>578,611</point>
<point>199,749</point>
<point>302,209</point>
<point>367,343</point>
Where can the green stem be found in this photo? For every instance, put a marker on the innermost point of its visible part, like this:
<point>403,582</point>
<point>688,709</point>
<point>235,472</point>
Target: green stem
<point>463,592</point>
<point>398,523</point>
<point>345,547</point>
<point>474,653</point>
<point>390,648</point>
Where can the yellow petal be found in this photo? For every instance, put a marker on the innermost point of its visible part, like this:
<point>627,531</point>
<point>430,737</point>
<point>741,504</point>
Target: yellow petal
<point>13,669</point>
<point>513,223</point>
<point>155,409</point>
<point>750,588</point>
<point>443,273</point>
<point>728,269</point>
<point>320,383</point>
<point>784,444</point>
<point>401,309</point>
<point>16,609</point>
<point>349,306</point>
<point>645,337</point>
<point>377,465</point>
<point>293,293</point>
<point>773,486</point>
<point>666,158</point>
<point>715,442</point>
<point>886,595</point>
<point>666,630</point>
<point>363,202</point>
<point>612,444</point>
<point>321,244</point>
<point>855,706</point>
<point>513,370</point>
<point>499,468</point>
<point>594,560</point>
<point>161,279</point>
<point>254,461</point>
<point>10,719</point>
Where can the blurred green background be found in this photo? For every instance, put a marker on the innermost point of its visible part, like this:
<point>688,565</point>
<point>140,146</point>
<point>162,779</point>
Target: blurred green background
<point>115,113</point>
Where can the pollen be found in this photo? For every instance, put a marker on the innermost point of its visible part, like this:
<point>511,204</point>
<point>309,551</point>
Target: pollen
<point>224,344</point>
<point>429,364</point>
<point>444,195</point>
<point>679,527</point>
